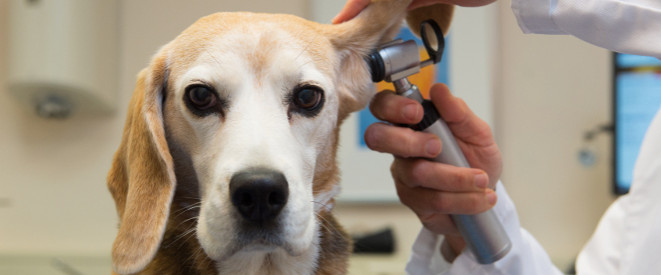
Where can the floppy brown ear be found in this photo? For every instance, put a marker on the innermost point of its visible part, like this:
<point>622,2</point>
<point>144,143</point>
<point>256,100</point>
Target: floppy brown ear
<point>378,23</point>
<point>141,179</point>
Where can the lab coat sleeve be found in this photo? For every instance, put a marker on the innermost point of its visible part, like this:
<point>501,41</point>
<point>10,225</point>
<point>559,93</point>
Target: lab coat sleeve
<point>632,26</point>
<point>602,254</point>
<point>525,257</point>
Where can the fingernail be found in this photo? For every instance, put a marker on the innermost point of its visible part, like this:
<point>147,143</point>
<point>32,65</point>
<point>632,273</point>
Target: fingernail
<point>372,138</point>
<point>491,197</point>
<point>481,180</point>
<point>433,147</point>
<point>410,112</point>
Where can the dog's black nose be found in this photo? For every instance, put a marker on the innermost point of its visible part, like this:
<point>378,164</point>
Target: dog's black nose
<point>259,194</point>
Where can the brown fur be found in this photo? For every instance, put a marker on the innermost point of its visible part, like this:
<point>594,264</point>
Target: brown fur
<point>151,184</point>
<point>152,181</point>
<point>336,245</point>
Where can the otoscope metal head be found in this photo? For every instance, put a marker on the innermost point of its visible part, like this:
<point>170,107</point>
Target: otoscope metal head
<point>399,59</point>
<point>395,60</point>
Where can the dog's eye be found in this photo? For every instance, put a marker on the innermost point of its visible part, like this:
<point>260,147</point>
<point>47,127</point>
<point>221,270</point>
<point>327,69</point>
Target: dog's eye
<point>202,100</point>
<point>308,99</point>
<point>202,97</point>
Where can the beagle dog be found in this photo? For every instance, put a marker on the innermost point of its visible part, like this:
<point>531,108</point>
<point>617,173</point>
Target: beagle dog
<point>227,160</point>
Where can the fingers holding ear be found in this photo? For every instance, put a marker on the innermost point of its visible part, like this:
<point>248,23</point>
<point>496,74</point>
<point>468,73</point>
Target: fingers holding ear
<point>350,10</point>
<point>464,3</point>
<point>424,3</point>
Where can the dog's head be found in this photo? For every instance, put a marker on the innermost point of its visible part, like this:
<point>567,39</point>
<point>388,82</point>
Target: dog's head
<point>244,109</point>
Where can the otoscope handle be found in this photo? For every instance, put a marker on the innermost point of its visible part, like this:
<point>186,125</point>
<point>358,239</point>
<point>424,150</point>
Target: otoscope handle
<point>483,232</point>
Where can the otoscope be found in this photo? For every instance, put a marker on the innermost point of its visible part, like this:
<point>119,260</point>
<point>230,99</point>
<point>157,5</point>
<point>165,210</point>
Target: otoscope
<point>394,62</point>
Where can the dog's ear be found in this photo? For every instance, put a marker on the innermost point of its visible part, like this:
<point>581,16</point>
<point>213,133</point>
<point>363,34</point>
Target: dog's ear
<point>441,13</point>
<point>378,23</point>
<point>141,179</point>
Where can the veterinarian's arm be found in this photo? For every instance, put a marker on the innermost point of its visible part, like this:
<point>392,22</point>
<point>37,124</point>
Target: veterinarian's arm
<point>353,7</point>
<point>433,190</point>
<point>632,26</point>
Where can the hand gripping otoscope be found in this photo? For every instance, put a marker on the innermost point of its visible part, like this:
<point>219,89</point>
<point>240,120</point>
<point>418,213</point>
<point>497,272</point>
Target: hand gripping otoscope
<point>394,62</point>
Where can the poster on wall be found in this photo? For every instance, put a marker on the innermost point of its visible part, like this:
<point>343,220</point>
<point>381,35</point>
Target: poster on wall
<point>366,173</point>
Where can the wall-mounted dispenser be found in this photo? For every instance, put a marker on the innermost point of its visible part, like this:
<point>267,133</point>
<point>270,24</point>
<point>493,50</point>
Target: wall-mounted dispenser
<point>63,55</point>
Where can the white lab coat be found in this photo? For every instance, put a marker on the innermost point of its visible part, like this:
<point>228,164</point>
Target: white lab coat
<point>628,237</point>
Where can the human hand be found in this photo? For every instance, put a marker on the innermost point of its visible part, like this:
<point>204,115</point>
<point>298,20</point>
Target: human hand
<point>435,190</point>
<point>353,7</point>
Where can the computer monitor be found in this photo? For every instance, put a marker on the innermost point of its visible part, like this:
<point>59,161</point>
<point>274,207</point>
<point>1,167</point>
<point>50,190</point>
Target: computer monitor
<point>636,100</point>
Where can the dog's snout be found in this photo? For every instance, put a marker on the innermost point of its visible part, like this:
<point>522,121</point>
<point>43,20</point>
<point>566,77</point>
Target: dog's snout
<point>259,194</point>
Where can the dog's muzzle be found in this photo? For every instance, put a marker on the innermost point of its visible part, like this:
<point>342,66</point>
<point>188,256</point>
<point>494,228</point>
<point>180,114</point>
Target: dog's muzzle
<point>259,194</point>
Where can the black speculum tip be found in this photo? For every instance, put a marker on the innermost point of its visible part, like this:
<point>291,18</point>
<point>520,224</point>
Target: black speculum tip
<point>377,68</point>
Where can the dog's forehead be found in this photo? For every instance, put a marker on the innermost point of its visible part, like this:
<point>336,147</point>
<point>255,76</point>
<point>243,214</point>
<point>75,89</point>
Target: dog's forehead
<point>253,36</point>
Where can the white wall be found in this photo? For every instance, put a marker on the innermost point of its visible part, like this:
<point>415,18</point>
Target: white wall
<point>553,89</point>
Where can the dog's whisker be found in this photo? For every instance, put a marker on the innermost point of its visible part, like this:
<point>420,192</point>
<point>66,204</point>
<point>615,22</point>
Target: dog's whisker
<point>192,206</point>
<point>182,235</point>
<point>189,219</point>
<point>194,215</point>
<point>325,224</point>
<point>191,235</point>
<point>186,209</point>
<point>323,205</point>
<point>193,257</point>
<point>189,198</point>
<point>188,236</point>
